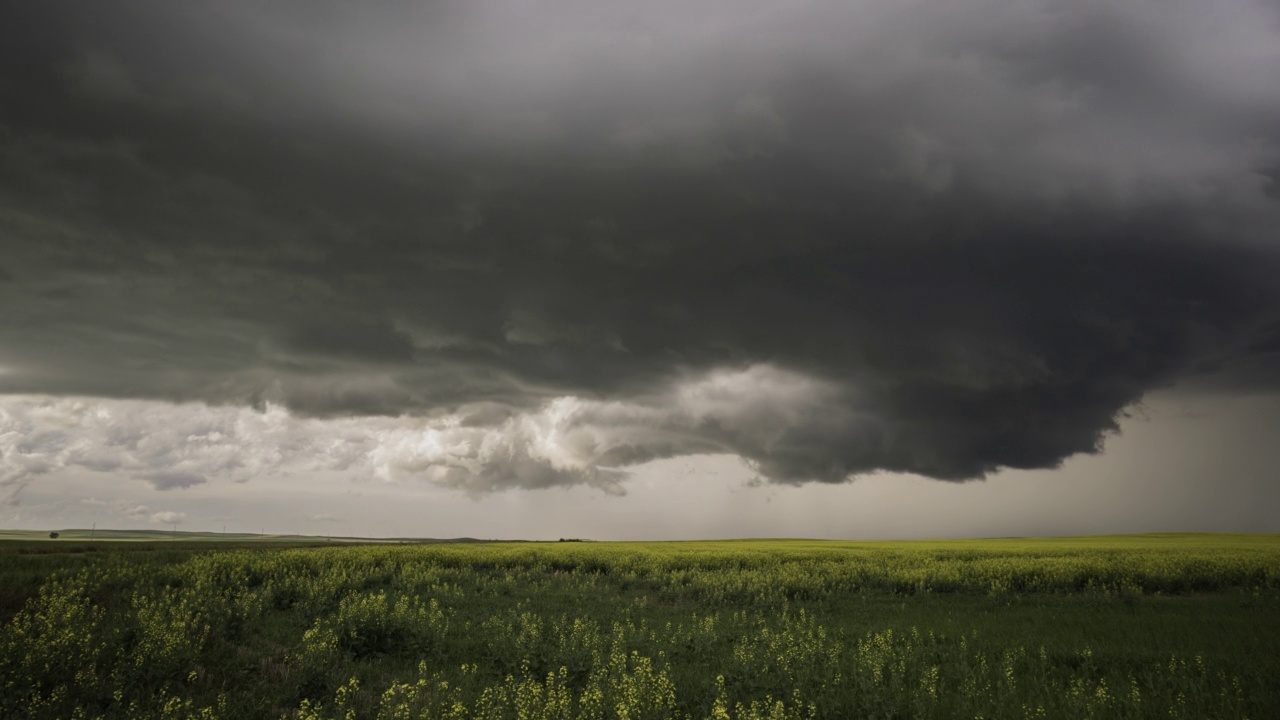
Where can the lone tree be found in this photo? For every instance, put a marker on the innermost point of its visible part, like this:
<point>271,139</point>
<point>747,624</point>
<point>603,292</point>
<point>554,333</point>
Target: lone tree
<point>53,536</point>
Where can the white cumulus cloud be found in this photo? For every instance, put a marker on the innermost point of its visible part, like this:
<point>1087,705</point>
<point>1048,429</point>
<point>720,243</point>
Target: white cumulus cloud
<point>168,517</point>
<point>567,441</point>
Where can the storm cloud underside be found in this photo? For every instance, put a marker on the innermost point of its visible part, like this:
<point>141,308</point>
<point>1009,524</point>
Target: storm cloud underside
<point>523,245</point>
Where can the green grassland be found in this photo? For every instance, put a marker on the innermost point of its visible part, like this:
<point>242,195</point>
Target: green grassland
<point>1181,626</point>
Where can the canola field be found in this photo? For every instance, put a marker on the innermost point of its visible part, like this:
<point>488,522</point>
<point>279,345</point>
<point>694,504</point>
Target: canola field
<point>1154,626</point>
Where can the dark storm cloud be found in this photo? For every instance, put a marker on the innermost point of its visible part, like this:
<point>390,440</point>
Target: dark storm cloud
<point>938,239</point>
<point>355,339</point>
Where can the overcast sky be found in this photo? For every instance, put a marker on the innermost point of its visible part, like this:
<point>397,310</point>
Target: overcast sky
<point>641,270</point>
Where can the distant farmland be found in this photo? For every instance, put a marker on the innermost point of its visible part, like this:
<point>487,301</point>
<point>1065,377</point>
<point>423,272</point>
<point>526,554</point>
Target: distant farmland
<point>81,534</point>
<point>1181,626</point>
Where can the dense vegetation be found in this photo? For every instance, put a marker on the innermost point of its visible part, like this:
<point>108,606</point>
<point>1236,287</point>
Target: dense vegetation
<point>1126,627</point>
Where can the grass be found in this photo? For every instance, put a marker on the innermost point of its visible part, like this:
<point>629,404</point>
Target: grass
<point>1087,627</point>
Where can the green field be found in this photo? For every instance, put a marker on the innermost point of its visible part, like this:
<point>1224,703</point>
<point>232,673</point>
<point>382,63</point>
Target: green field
<point>1181,626</point>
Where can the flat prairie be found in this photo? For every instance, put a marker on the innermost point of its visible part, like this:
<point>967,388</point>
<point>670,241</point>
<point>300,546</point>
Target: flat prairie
<point>188,625</point>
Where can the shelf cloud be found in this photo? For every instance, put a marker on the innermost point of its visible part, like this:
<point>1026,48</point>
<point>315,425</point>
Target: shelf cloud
<point>498,244</point>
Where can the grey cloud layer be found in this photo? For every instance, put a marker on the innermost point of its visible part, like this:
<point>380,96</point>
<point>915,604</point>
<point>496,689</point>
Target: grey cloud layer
<point>982,230</point>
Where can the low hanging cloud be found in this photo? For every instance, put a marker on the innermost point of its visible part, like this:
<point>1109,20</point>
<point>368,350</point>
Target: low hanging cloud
<point>826,237</point>
<point>786,426</point>
<point>569,440</point>
<point>133,511</point>
<point>168,517</point>
<point>322,518</point>
<point>168,480</point>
